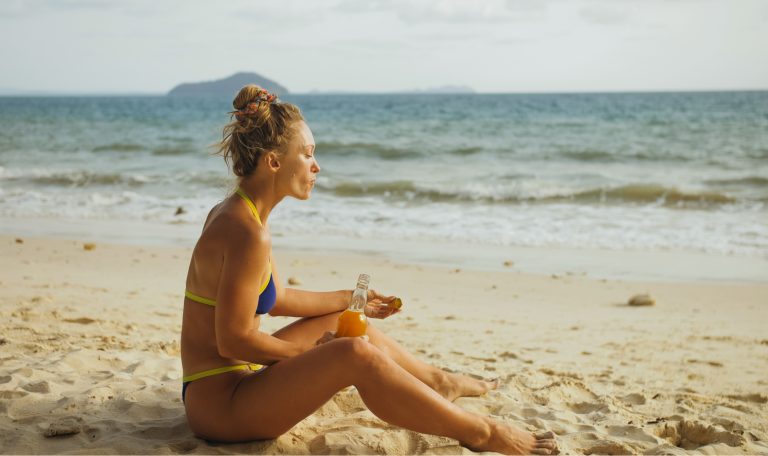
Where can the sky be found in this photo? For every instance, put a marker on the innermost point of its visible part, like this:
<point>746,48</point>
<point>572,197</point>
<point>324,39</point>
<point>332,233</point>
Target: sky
<point>149,46</point>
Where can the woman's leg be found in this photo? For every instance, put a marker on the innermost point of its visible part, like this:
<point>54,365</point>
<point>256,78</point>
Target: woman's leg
<point>267,404</point>
<point>306,331</point>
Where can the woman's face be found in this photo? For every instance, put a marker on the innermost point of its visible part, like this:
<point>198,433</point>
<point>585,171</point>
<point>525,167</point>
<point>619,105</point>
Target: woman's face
<point>299,166</point>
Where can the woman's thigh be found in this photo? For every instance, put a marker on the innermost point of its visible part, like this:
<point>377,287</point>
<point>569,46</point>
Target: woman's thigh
<point>267,404</point>
<point>306,331</point>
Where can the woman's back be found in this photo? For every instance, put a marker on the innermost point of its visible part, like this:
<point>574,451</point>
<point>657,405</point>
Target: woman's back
<point>199,350</point>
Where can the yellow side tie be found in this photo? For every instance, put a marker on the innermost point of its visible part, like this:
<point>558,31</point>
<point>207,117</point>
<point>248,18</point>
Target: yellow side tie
<point>221,370</point>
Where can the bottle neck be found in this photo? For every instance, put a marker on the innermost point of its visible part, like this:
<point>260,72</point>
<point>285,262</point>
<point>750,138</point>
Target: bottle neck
<point>362,281</point>
<point>360,295</point>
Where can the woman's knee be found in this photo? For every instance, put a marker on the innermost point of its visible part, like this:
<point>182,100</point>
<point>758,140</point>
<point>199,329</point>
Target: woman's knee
<point>359,352</point>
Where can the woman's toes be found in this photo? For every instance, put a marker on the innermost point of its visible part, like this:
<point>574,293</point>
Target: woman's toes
<point>551,444</point>
<point>545,435</point>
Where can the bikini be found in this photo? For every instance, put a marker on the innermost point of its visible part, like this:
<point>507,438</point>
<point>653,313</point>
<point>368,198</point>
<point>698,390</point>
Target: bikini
<point>267,299</point>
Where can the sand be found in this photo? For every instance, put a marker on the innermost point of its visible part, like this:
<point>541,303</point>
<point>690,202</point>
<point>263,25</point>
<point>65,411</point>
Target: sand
<point>89,354</point>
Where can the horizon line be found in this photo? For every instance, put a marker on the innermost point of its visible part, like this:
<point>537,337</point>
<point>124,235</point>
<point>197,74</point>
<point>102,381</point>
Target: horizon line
<point>315,92</point>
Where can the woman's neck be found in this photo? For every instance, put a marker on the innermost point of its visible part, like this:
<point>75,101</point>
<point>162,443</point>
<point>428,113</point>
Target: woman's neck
<point>263,194</point>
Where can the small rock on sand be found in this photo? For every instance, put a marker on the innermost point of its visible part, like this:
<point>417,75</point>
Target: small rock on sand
<point>641,300</point>
<point>89,246</point>
<point>180,210</point>
<point>293,281</point>
<point>509,264</point>
<point>64,426</point>
<point>19,240</point>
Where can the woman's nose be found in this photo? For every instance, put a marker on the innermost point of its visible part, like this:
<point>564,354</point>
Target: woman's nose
<point>316,167</point>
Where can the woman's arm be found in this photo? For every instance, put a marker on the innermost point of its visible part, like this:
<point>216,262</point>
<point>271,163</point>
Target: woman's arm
<point>300,303</point>
<point>246,260</point>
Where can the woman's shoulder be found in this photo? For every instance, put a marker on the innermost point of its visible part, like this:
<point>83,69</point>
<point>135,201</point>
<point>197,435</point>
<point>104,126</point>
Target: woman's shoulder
<point>227,224</point>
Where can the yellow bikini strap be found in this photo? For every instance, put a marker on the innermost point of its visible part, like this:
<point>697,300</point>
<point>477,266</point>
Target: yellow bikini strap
<point>248,201</point>
<point>221,370</point>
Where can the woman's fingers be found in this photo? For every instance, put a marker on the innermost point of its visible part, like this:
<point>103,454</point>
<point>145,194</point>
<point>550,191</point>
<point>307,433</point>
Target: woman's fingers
<point>379,311</point>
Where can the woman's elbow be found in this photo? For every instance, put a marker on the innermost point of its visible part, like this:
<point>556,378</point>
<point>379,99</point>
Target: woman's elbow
<point>228,346</point>
<point>278,310</point>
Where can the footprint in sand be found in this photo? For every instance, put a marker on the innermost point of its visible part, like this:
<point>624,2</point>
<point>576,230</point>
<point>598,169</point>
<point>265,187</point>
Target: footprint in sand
<point>349,401</point>
<point>634,399</point>
<point>690,435</point>
<point>183,447</point>
<point>67,425</point>
<point>608,447</point>
<point>81,320</point>
<point>754,397</point>
<point>37,387</point>
<point>631,432</point>
<point>585,408</point>
<point>711,363</point>
<point>162,429</point>
<point>12,394</point>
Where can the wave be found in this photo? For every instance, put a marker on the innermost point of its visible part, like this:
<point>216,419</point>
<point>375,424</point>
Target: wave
<point>602,156</point>
<point>754,181</point>
<point>378,150</point>
<point>589,155</point>
<point>81,179</point>
<point>637,194</point>
<point>387,152</point>
<point>642,193</point>
<point>181,146</point>
<point>76,178</point>
<point>119,147</point>
<point>463,151</point>
<point>171,150</point>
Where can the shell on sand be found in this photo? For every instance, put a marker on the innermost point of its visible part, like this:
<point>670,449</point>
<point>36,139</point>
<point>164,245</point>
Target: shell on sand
<point>642,300</point>
<point>293,281</point>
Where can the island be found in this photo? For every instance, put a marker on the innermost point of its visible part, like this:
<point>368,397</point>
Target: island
<point>226,87</point>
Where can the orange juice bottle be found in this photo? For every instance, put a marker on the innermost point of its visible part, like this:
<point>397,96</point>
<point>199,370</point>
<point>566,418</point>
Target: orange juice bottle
<point>353,322</point>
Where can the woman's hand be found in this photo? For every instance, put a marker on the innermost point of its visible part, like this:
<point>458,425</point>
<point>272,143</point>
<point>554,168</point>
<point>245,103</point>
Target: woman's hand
<point>329,336</point>
<point>377,306</point>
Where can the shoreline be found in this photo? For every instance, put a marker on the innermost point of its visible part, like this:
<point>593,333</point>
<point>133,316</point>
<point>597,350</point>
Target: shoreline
<point>628,264</point>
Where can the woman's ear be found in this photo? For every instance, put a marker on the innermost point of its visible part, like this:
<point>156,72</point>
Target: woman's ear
<point>272,161</point>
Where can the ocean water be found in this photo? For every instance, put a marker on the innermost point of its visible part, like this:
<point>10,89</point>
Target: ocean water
<point>669,171</point>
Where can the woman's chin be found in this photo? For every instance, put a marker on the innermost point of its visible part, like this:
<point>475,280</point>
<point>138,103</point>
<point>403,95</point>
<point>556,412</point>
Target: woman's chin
<point>304,196</point>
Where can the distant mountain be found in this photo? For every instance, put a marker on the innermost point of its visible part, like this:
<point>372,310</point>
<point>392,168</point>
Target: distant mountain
<point>226,87</point>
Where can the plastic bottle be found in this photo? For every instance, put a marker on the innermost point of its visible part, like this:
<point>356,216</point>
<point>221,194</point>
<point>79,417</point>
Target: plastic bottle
<point>353,322</point>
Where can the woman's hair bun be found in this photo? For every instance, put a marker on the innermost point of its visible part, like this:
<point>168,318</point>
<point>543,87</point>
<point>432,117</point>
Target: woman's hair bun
<point>259,123</point>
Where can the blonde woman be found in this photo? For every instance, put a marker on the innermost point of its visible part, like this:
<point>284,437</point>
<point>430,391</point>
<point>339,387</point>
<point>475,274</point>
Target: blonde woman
<point>241,383</point>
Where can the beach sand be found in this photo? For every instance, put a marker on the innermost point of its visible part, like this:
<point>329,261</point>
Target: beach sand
<point>89,355</point>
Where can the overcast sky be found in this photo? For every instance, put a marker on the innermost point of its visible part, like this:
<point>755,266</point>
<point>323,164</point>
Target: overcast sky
<point>128,46</point>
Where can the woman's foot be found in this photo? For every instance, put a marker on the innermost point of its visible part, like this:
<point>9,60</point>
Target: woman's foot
<point>506,439</point>
<point>452,386</point>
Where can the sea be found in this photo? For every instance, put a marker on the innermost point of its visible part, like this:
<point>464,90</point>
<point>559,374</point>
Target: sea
<point>619,171</point>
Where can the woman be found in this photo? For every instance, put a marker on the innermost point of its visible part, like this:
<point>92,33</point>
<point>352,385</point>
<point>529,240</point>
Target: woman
<point>242,384</point>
